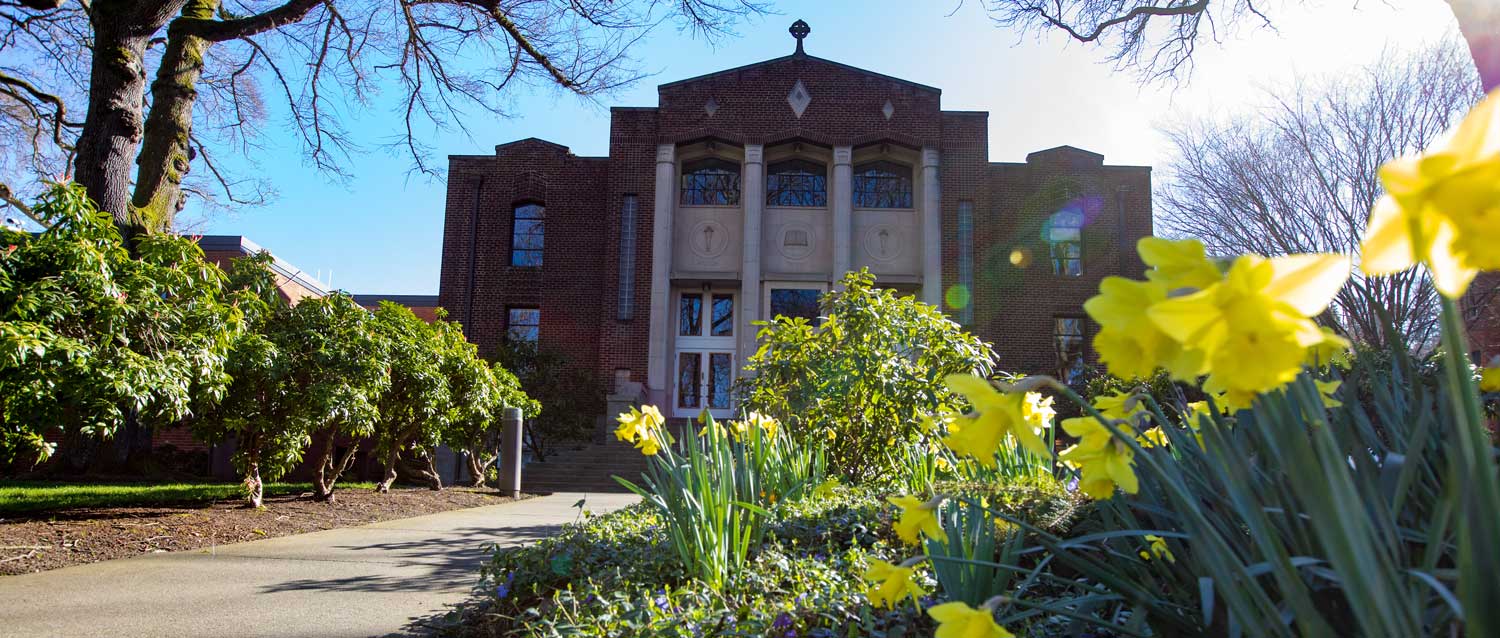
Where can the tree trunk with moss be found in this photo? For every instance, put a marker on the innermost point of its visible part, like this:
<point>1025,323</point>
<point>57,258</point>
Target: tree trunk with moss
<point>166,151</point>
<point>114,125</point>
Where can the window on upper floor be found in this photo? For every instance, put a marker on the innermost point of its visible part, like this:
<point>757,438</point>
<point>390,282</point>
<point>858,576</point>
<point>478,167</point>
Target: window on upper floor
<point>882,184</point>
<point>527,231</point>
<point>1064,235</point>
<point>523,325</point>
<point>710,181</point>
<point>797,182</point>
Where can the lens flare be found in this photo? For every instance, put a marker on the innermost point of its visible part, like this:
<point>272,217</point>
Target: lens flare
<point>1020,257</point>
<point>957,296</point>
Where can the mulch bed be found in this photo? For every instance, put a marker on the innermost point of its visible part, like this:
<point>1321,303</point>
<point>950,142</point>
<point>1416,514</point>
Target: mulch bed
<point>38,541</point>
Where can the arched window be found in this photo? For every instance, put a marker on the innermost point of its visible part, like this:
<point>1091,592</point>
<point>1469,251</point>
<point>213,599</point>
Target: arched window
<point>710,181</point>
<point>527,231</point>
<point>1064,235</point>
<point>797,182</point>
<point>882,185</point>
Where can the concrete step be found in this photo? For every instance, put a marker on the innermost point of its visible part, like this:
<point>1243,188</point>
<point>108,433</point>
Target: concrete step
<point>589,468</point>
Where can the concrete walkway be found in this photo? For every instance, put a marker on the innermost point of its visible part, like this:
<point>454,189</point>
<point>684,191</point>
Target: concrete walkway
<point>358,581</point>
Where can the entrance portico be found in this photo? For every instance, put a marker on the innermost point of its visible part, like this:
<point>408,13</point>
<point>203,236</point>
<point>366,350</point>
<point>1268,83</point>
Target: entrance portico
<point>758,230</point>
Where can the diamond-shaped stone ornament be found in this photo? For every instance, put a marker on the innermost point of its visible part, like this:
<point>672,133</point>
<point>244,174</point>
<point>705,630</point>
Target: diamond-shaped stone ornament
<point>888,110</point>
<point>711,106</point>
<point>798,98</point>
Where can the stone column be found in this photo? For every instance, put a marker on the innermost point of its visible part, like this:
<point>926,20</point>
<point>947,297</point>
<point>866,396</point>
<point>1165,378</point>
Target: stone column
<point>753,196</point>
<point>659,345</point>
<point>932,230</point>
<point>841,196</point>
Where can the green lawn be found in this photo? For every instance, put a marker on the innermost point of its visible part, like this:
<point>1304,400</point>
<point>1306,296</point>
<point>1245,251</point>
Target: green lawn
<point>32,496</point>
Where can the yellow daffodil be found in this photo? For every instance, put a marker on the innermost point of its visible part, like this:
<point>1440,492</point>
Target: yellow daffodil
<point>890,584</point>
<point>1038,411</point>
<point>1128,342</point>
<point>1178,264</point>
<point>718,428</point>
<point>917,516</point>
<point>1326,390</point>
<point>1119,405</point>
<point>1102,461</point>
<point>959,620</point>
<point>1253,329</point>
<point>1332,349</point>
<point>825,489</point>
<point>1153,437</point>
<point>638,423</point>
<point>1489,379</point>
<point>766,424</point>
<point>1442,207</point>
<point>649,444</point>
<point>1158,549</point>
<point>996,414</point>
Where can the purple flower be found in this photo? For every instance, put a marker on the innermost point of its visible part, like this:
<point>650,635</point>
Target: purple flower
<point>503,589</point>
<point>783,621</point>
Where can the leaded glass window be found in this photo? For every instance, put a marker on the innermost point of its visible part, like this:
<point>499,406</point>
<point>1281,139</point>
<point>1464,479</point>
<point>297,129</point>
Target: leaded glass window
<point>690,315</point>
<point>723,316</point>
<point>882,185</point>
<point>797,182</point>
<point>523,325</point>
<point>966,260</point>
<point>1064,235</point>
<point>527,230</point>
<point>795,302</point>
<point>710,182</point>
<point>1067,334</point>
<point>627,272</point>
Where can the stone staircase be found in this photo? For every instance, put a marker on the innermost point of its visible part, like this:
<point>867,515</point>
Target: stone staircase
<point>586,468</point>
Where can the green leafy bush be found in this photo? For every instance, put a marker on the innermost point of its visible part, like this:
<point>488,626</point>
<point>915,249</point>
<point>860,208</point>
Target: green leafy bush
<point>569,398</point>
<point>93,338</point>
<point>862,380</point>
<point>296,371</point>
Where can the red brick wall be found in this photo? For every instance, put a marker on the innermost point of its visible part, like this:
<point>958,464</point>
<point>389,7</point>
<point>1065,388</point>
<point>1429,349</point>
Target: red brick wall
<point>578,286</point>
<point>528,170</point>
<point>1015,306</point>
<point>846,106</point>
<point>1482,308</point>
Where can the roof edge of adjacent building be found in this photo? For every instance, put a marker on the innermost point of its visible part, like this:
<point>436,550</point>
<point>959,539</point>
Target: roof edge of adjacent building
<point>372,299</point>
<point>280,266</point>
<point>798,56</point>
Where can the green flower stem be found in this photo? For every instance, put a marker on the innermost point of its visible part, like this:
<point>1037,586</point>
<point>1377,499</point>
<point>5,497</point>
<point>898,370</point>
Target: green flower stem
<point>1479,494</point>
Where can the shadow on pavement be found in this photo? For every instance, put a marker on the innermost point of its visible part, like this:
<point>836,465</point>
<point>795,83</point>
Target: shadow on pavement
<point>451,558</point>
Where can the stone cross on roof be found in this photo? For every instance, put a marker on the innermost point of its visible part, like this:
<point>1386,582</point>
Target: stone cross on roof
<point>799,30</point>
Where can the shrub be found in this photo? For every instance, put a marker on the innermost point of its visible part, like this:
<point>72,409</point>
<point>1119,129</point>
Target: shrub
<point>569,399</point>
<point>295,370</point>
<point>861,380</point>
<point>94,339</point>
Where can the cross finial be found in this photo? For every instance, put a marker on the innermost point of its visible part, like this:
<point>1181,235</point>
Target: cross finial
<point>799,30</point>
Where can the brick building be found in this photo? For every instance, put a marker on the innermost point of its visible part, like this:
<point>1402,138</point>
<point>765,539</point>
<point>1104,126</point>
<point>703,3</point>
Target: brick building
<point>425,307</point>
<point>745,193</point>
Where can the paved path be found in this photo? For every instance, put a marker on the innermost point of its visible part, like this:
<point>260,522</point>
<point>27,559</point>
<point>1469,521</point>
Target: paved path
<point>358,581</point>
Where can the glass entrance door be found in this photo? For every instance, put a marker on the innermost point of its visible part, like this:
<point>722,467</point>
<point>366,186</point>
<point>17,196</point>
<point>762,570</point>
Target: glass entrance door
<point>704,367</point>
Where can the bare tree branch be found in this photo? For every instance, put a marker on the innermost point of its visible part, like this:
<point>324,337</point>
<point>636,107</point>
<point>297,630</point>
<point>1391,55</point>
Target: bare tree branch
<point>1300,174</point>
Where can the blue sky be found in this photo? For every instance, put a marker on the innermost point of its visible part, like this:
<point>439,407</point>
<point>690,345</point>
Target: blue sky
<point>381,232</point>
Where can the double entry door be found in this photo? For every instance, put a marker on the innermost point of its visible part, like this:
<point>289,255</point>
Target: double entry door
<point>705,346</point>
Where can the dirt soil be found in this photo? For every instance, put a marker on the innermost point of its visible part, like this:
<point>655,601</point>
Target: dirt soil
<point>38,541</point>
